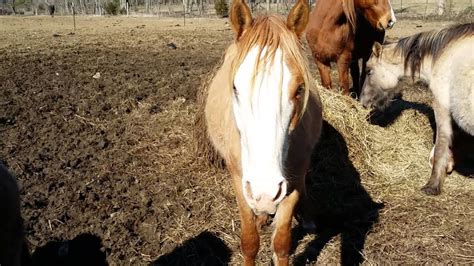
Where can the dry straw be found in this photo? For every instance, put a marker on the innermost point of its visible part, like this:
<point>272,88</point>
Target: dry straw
<point>384,166</point>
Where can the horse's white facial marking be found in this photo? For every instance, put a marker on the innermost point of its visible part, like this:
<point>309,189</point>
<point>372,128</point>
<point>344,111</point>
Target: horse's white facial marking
<point>263,112</point>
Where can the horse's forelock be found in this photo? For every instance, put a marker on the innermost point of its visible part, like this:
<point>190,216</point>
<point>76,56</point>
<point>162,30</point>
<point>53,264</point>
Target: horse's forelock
<point>268,34</point>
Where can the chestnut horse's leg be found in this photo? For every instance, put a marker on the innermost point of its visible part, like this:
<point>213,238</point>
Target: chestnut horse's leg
<point>355,74</point>
<point>441,159</point>
<point>343,63</point>
<point>282,234</point>
<point>249,238</point>
<point>325,73</point>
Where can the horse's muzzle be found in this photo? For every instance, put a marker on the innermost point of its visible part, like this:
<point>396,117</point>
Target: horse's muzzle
<point>390,23</point>
<point>265,202</point>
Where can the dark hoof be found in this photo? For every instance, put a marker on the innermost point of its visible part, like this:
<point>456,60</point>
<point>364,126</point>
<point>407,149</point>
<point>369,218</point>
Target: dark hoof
<point>431,190</point>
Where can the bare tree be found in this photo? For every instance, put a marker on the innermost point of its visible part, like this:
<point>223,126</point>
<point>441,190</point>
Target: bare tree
<point>13,7</point>
<point>441,7</point>
<point>66,7</point>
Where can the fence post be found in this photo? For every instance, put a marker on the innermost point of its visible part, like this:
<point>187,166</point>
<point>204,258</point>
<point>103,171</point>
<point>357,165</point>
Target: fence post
<point>126,6</point>
<point>73,15</point>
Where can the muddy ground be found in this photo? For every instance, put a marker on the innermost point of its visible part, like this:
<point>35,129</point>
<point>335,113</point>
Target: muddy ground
<point>97,126</point>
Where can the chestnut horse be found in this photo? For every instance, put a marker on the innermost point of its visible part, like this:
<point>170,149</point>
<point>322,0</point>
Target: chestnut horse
<point>445,60</point>
<point>263,116</point>
<point>343,31</point>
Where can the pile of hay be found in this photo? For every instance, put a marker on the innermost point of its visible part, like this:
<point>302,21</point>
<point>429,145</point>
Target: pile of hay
<point>365,182</point>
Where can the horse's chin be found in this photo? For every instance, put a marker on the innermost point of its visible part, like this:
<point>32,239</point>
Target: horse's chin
<point>382,104</point>
<point>258,213</point>
<point>379,102</point>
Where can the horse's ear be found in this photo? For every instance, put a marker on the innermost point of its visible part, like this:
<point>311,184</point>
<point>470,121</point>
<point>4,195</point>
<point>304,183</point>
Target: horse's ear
<point>377,49</point>
<point>240,17</point>
<point>298,17</point>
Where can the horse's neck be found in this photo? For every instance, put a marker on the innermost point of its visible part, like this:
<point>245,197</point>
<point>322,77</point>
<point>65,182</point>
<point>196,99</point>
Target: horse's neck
<point>397,65</point>
<point>424,73</point>
<point>334,17</point>
<point>425,69</point>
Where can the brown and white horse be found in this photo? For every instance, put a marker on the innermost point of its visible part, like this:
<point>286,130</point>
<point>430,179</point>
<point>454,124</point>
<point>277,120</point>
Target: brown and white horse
<point>263,115</point>
<point>343,31</point>
<point>445,60</point>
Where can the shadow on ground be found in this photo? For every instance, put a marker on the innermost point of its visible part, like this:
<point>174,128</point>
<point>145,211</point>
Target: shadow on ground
<point>463,143</point>
<point>204,249</point>
<point>394,110</point>
<point>84,249</point>
<point>340,204</point>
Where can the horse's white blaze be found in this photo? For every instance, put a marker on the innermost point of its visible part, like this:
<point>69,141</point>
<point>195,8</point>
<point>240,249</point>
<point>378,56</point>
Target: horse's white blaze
<point>262,110</point>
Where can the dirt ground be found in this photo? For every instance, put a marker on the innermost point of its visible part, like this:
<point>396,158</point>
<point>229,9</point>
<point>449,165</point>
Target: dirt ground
<point>97,126</point>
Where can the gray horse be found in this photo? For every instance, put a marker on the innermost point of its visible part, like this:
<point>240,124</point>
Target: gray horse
<point>445,60</point>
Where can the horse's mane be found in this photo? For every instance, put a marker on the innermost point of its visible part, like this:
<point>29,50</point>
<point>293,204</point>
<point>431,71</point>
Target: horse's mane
<point>350,12</point>
<point>417,47</point>
<point>269,33</point>
<point>202,144</point>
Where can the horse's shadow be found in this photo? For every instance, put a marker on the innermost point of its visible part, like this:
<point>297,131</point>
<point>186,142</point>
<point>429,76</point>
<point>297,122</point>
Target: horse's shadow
<point>204,249</point>
<point>339,203</point>
<point>84,249</point>
<point>463,143</point>
<point>394,110</point>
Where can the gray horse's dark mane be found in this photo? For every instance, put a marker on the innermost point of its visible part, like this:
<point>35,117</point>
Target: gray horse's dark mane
<point>429,43</point>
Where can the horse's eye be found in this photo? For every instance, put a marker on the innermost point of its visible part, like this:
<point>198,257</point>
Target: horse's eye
<point>299,91</point>
<point>369,72</point>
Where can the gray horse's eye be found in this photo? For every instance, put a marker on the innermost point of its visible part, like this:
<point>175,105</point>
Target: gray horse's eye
<point>369,72</point>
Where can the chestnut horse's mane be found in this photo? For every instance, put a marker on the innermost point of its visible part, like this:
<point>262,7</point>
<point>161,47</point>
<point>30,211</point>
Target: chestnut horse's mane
<point>415,48</point>
<point>269,33</point>
<point>350,12</point>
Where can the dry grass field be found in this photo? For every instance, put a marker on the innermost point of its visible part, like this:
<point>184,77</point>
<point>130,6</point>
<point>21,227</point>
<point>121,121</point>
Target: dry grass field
<point>107,170</point>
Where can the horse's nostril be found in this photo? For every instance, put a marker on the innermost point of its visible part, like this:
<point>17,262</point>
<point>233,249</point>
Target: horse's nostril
<point>248,189</point>
<point>390,23</point>
<point>279,191</point>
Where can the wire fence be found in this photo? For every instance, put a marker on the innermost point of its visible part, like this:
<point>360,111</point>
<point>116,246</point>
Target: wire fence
<point>430,7</point>
<point>205,8</point>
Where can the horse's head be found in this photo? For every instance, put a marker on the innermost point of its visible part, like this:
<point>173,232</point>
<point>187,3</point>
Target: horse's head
<point>379,13</point>
<point>271,82</point>
<point>383,71</point>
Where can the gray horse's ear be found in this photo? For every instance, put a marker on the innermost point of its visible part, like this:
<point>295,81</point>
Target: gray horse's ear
<point>298,17</point>
<point>377,49</point>
<point>240,17</point>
